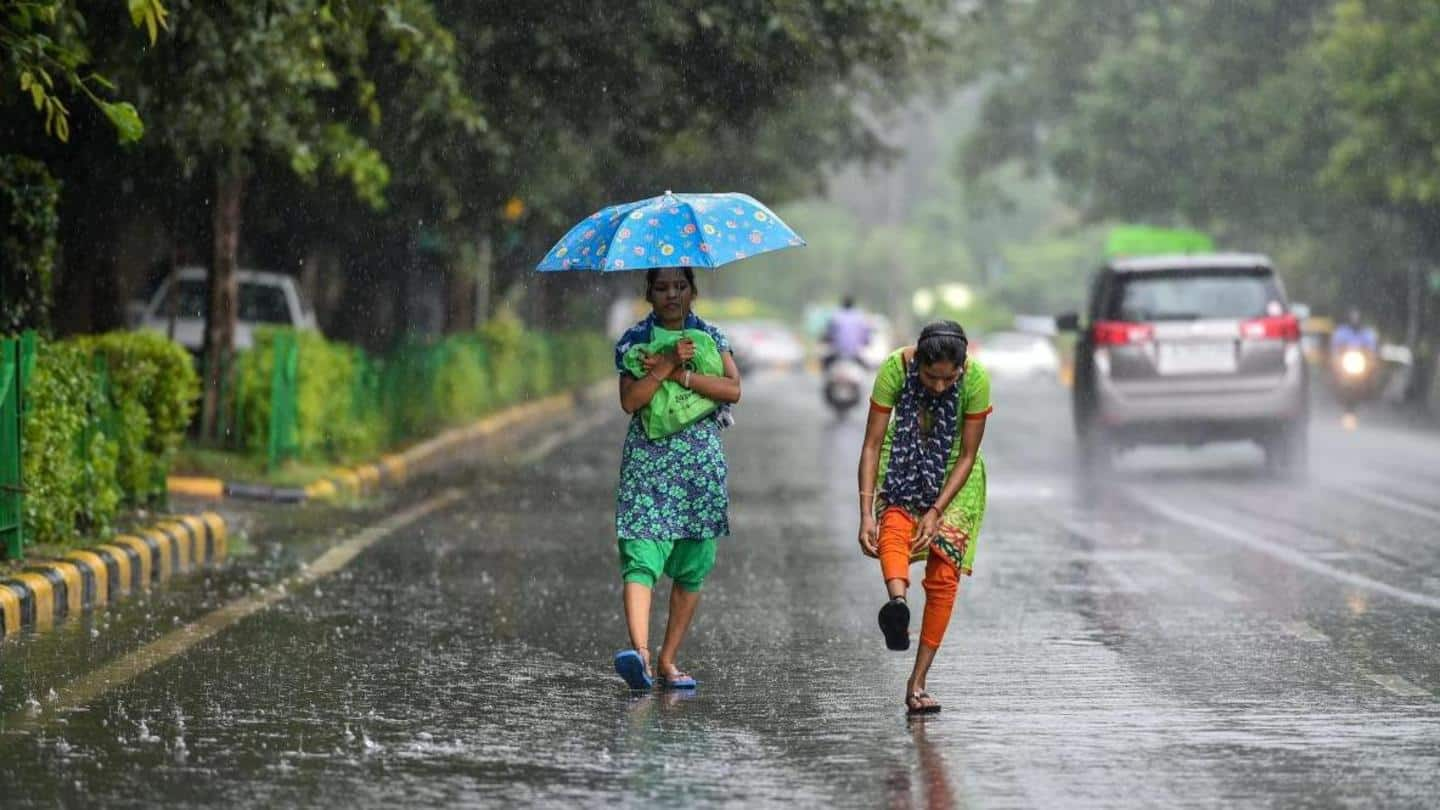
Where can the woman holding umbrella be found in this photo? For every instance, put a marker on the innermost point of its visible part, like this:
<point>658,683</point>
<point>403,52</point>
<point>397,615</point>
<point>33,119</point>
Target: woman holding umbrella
<point>922,485</point>
<point>672,500</point>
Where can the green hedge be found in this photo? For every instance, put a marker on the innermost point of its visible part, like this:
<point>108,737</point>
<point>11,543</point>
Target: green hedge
<point>98,435</point>
<point>329,423</point>
<point>351,406</point>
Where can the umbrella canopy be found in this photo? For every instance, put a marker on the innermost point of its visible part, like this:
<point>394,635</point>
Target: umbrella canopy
<point>672,230</point>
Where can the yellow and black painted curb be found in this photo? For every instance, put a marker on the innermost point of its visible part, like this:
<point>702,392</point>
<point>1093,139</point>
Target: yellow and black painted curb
<point>390,470</point>
<point>49,591</point>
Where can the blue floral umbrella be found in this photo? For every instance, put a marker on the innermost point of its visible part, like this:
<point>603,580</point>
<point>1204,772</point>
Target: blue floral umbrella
<point>672,230</point>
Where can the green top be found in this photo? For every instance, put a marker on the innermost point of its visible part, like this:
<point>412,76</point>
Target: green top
<point>890,380</point>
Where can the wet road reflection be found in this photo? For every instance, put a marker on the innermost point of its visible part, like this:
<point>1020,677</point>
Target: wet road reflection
<point>1184,632</point>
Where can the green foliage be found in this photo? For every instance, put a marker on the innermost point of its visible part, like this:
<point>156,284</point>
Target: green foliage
<point>69,467</point>
<point>329,423</point>
<point>350,408</point>
<point>29,226</point>
<point>1244,120</point>
<point>1382,63</point>
<point>154,384</point>
<point>45,50</point>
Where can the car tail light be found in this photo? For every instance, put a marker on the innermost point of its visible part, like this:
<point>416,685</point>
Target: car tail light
<point>1280,327</point>
<point>1121,333</point>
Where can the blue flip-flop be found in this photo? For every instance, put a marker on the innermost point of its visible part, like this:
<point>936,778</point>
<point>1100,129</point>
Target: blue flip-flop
<point>630,666</point>
<point>684,682</point>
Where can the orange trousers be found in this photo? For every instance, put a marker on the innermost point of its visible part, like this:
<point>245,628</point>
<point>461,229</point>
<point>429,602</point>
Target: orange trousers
<point>941,583</point>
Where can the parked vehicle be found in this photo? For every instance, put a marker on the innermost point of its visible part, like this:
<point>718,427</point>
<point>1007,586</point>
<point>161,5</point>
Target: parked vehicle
<point>765,345</point>
<point>264,299</point>
<point>1018,356</point>
<point>1189,349</point>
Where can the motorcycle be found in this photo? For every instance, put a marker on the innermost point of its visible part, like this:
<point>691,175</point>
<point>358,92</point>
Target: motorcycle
<point>844,384</point>
<point>1354,371</point>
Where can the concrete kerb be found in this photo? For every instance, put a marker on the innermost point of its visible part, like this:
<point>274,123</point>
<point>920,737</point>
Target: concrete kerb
<point>49,591</point>
<point>393,469</point>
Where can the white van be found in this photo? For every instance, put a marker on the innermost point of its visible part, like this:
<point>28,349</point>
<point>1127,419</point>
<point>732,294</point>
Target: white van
<point>265,299</point>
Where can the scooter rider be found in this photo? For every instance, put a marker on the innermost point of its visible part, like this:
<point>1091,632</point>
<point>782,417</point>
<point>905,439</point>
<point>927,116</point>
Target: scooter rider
<point>1353,334</point>
<point>847,334</point>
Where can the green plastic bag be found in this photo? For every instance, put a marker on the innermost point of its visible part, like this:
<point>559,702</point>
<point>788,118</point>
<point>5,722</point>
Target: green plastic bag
<point>675,407</point>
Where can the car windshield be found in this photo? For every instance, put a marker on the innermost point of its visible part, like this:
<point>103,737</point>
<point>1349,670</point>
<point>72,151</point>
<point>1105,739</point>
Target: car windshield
<point>263,303</point>
<point>259,303</point>
<point>1189,295</point>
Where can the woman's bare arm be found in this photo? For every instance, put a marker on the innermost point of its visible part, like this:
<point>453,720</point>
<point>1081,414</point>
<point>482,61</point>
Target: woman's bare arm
<point>869,470</point>
<point>636,393</point>
<point>723,389</point>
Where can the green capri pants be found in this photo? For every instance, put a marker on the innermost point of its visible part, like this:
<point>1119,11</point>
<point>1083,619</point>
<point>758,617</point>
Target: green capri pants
<point>686,561</point>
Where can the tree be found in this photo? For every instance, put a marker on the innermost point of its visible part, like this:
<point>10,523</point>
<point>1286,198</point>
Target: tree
<point>45,55</point>
<point>249,80</point>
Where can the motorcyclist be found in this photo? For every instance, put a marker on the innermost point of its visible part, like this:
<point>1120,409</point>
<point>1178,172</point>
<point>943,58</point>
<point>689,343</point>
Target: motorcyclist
<point>847,333</point>
<point>1353,349</point>
<point>1353,334</point>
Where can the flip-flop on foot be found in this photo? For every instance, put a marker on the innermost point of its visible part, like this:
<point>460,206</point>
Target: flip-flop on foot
<point>630,666</point>
<point>895,624</point>
<point>678,681</point>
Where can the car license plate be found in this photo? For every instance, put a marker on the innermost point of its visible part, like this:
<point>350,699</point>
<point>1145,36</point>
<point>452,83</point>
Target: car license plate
<point>1197,358</point>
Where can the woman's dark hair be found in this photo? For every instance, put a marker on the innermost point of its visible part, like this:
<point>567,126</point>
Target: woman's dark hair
<point>942,340</point>
<point>651,275</point>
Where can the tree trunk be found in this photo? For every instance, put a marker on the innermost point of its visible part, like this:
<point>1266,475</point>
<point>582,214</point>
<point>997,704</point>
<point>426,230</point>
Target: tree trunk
<point>220,309</point>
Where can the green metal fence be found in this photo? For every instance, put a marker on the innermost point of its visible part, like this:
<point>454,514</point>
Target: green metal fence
<point>12,485</point>
<point>283,439</point>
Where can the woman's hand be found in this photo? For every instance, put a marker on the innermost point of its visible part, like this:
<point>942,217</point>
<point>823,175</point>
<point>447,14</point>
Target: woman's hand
<point>869,536</point>
<point>685,350</point>
<point>661,365</point>
<point>926,530</point>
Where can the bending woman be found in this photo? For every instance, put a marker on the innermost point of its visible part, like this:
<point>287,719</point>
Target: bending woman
<point>922,485</point>
<point>672,501</point>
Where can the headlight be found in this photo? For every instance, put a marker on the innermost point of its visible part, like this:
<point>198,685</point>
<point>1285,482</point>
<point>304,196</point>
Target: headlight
<point>1354,363</point>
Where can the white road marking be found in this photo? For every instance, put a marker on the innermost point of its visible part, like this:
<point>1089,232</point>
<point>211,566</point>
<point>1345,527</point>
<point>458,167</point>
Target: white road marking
<point>96,683</point>
<point>1305,632</point>
<point>1396,685</point>
<point>550,443</point>
<point>1396,504</point>
<point>1281,552</point>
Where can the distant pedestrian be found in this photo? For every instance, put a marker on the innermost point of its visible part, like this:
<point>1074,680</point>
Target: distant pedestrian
<point>922,485</point>
<point>672,501</point>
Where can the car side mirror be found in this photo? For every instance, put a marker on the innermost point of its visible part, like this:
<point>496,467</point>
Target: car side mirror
<point>1067,322</point>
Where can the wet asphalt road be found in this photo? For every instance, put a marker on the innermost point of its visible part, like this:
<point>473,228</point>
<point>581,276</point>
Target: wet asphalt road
<point>1184,632</point>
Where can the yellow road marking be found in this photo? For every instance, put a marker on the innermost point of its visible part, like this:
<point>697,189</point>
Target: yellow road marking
<point>164,551</point>
<point>212,488</point>
<point>197,534</point>
<point>74,586</point>
<point>369,477</point>
<point>181,537</point>
<point>101,571</point>
<point>320,489</point>
<point>124,581</point>
<point>11,604</point>
<point>98,682</point>
<point>147,573</point>
<point>43,596</point>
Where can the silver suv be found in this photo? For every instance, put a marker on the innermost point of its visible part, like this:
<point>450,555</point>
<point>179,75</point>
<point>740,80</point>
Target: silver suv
<point>1187,350</point>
